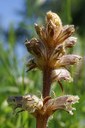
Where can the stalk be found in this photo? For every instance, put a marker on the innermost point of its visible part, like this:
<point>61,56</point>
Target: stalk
<point>46,82</point>
<point>41,121</point>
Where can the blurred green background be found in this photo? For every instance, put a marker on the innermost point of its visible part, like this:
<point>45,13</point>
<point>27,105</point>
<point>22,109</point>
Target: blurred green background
<point>13,55</point>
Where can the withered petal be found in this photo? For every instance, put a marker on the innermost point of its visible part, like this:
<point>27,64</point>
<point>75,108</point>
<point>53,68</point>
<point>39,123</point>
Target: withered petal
<point>41,31</point>
<point>38,30</point>
<point>57,51</point>
<point>30,45</point>
<point>67,31</point>
<point>35,47</point>
<point>31,64</point>
<point>50,28</point>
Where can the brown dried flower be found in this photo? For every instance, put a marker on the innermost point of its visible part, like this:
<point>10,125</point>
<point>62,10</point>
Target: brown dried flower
<point>50,49</point>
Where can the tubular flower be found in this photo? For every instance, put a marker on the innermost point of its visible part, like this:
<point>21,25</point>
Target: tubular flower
<point>28,103</point>
<point>49,50</point>
<point>63,102</point>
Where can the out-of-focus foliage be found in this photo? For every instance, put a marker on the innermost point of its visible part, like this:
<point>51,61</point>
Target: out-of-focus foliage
<point>15,81</point>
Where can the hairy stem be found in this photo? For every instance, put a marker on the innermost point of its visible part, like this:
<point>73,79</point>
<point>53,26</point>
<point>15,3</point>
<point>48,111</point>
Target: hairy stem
<point>41,121</point>
<point>46,82</point>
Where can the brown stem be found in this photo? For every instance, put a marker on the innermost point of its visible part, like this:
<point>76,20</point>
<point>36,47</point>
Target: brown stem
<point>41,121</point>
<point>46,82</point>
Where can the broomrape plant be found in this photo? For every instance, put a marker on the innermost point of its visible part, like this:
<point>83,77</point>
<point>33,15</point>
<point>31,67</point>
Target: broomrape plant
<point>49,54</point>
